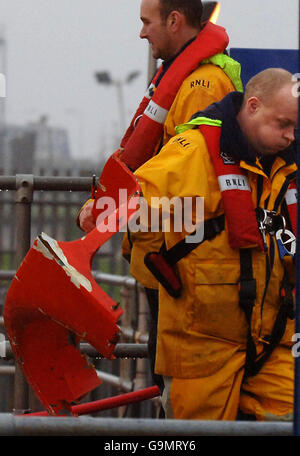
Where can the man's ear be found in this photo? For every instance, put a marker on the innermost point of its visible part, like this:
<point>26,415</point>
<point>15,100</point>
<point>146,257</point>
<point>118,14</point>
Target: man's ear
<point>253,105</point>
<point>174,20</point>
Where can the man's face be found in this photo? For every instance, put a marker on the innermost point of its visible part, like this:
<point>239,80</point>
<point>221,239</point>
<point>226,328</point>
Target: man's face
<point>274,123</point>
<point>155,30</point>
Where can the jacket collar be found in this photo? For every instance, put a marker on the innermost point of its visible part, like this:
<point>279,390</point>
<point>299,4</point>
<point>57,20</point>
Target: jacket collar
<point>167,63</point>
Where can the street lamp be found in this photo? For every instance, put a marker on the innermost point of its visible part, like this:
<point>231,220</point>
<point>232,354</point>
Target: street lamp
<point>104,77</point>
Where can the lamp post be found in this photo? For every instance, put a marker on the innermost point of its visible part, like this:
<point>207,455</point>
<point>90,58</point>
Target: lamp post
<point>104,77</point>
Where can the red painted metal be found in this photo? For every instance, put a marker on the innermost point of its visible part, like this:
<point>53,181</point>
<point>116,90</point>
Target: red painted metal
<point>54,301</point>
<point>115,176</point>
<point>110,402</point>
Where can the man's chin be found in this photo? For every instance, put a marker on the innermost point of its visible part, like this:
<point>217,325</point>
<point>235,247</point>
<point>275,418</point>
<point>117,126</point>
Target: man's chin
<point>269,152</point>
<point>155,54</point>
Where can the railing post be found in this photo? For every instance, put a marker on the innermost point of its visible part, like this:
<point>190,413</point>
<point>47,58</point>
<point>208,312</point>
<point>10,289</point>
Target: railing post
<point>142,364</point>
<point>23,200</point>
<point>125,364</point>
<point>24,197</point>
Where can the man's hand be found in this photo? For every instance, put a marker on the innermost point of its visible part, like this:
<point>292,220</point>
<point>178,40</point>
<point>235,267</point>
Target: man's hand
<point>85,218</point>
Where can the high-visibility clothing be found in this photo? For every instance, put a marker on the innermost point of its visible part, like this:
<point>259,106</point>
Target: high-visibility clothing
<point>204,86</point>
<point>268,396</point>
<point>146,128</point>
<point>204,332</point>
<point>208,310</point>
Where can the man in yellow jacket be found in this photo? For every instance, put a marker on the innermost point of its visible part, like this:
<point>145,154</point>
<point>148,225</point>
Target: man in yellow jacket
<point>225,328</point>
<point>177,35</point>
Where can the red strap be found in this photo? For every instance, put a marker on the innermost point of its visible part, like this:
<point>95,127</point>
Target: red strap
<point>139,111</point>
<point>292,207</point>
<point>238,205</point>
<point>141,144</point>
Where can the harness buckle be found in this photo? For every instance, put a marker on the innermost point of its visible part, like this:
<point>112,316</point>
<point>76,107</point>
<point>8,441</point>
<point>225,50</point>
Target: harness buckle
<point>269,222</point>
<point>286,242</point>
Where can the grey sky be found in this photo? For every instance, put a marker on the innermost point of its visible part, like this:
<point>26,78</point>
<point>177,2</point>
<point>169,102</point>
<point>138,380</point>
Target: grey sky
<point>54,47</point>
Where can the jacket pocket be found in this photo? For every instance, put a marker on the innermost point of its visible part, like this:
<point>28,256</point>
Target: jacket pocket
<point>214,309</point>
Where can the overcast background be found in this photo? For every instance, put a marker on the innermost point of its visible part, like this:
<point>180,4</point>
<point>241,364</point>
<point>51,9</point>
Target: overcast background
<point>53,49</point>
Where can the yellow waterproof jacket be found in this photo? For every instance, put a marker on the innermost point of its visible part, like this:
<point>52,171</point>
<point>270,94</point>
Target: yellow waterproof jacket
<point>200,331</point>
<point>206,85</point>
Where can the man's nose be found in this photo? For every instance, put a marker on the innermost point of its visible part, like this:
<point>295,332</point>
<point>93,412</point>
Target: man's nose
<point>290,134</point>
<point>142,33</point>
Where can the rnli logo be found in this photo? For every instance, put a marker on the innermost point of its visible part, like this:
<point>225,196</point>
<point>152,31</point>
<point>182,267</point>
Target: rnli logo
<point>233,182</point>
<point>156,112</point>
<point>227,160</point>
<point>152,110</point>
<point>182,141</point>
<point>201,82</point>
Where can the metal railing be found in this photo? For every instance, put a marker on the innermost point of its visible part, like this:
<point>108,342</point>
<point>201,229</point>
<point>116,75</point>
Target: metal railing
<point>11,424</point>
<point>25,187</point>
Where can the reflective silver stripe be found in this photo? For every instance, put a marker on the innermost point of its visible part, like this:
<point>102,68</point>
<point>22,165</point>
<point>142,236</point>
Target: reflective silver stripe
<point>291,196</point>
<point>233,182</point>
<point>155,112</point>
<point>136,121</point>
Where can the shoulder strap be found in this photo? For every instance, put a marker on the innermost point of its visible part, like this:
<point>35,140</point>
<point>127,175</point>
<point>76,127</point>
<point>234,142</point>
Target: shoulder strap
<point>162,263</point>
<point>212,227</point>
<point>247,295</point>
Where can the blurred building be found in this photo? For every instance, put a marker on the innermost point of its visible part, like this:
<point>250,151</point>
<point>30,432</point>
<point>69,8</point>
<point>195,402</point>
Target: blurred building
<point>41,149</point>
<point>29,148</point>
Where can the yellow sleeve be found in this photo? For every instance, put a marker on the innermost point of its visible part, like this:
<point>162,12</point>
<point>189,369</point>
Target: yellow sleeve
<point>176,170</point>
<point>182,169</point>
<point>206,85</point>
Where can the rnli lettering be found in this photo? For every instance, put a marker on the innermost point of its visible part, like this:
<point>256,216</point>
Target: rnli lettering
<point>233,182</point>
<point>200,82</point>
<point>236,182</point>
<point>151,110</point>
<point>156,112</point>
<point>182,141</point>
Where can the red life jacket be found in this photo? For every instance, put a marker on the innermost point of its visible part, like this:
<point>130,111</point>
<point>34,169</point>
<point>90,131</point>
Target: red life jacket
<point>141,139</point>
<point>291,201</point>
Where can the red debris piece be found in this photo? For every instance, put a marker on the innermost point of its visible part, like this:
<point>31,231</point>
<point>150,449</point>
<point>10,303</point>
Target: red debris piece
<point>54,298</point>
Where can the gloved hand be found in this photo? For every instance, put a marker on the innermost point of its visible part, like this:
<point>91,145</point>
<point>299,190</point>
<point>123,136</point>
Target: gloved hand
<point>85,218</point>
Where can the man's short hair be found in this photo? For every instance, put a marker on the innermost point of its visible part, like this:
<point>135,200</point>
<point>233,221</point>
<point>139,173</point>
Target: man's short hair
<point>192,10</point>
<point>266,83</point>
